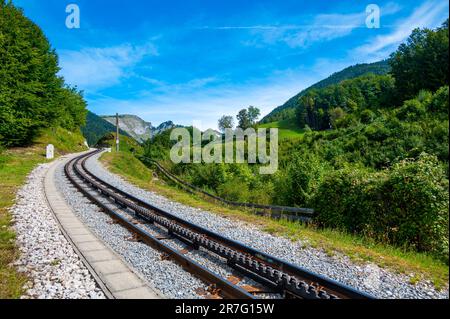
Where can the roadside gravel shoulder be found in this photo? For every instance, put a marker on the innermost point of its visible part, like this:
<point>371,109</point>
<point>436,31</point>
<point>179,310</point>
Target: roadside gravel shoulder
<point>367,277</point>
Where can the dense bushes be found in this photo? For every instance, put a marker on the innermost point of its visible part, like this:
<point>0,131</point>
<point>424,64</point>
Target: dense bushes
<point>405,205</point>
<point>32,96</point>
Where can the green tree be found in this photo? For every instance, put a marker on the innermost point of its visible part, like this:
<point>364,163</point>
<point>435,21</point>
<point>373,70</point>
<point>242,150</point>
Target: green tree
<point>243,119</point>
<point>226,122</point>
<point>253,114</point>
<point>336,115</point>
<point>421,62</point>
<point>248,117</point>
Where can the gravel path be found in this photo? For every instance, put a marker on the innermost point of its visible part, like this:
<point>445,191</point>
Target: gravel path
<point>54,269</point>
<point>369,277</point>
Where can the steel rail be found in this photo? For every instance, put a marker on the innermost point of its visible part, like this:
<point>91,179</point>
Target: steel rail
<point>226,288</point>
<point>279,275</point>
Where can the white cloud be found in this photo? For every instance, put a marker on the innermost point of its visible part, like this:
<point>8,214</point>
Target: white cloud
<point>183,105</point>
<point>429,14</point>
<point>94,68</point>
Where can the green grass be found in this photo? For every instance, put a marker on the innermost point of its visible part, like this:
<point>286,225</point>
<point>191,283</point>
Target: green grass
<point>126,144</point>
<point>418,266</point>
<point>15,165</point>
<point>287,128</point>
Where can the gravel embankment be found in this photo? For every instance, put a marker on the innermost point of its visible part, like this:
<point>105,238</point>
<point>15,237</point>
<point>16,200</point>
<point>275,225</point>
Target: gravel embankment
<point>369,277</point>
<point>54,269</point>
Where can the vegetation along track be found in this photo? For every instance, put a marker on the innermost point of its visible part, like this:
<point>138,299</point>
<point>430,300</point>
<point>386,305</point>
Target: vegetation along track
<point>275,275</point>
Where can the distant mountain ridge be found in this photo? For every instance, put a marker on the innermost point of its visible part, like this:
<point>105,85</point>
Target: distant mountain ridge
<point>137,128</point>
<point>96,128</point>
<point>164,127</point>
<point>287,110</point>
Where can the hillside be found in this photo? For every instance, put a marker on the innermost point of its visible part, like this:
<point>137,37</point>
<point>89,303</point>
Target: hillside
<point>127,144</point>
<point>286,111</point>
<point>96,128</point>
<point>286,128</point>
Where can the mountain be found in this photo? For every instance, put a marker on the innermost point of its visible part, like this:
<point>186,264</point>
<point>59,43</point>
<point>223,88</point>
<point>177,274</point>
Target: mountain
<point>136,127</point>
<point>96,128</point>
<point>287,110</point>
<point>163,127</point>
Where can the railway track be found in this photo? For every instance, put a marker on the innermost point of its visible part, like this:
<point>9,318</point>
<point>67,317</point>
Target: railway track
<point>274,275</point>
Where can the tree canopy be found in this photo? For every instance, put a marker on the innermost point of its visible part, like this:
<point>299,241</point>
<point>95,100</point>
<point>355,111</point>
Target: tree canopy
<point>225,122</point>
<point>422,62</point>
<point>248,117</point>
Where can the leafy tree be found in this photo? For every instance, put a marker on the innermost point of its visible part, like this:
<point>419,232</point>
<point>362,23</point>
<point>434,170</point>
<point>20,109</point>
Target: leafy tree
<point>422,62</point>
<point>253,114</point>
<point>244,119</point>
<point>248,117</point>
<point>336,115</point>
<point>226,122</point>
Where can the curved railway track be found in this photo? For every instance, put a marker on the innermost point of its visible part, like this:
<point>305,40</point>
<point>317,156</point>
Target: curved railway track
<point>275,275</point>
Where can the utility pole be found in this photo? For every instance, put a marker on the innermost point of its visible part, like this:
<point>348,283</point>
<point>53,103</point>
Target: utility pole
<point>117,132</point>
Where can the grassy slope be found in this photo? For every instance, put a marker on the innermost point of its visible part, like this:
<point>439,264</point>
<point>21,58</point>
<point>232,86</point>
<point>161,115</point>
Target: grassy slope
<point>417,265</point>
<point>287,128</point>
<point>15,165</point>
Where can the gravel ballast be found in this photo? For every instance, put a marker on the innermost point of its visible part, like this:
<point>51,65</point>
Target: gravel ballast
<point>366,277</point>
<point>163,275</point>
<point>54,269</point>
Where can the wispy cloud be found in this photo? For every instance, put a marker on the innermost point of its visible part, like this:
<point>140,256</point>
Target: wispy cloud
<point>95,68</point>
<point>322,28</point>
<point>429,14</point>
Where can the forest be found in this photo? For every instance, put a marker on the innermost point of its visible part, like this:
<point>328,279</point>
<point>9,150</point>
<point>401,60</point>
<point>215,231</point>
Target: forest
<point>373,158</point>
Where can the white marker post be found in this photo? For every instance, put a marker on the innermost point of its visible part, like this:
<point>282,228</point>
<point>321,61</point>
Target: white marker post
<point>50,154</point>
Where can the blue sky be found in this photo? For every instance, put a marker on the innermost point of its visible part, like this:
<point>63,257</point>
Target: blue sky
<point>191,61</point>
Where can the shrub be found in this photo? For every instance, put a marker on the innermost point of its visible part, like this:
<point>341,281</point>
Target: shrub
<point>300,179</point>
<point>234,190</point>
<point>405,206</point>
<point>417,196</point>
<point>345,200</point>
<point>412,110</point>
<point>439,102</point>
